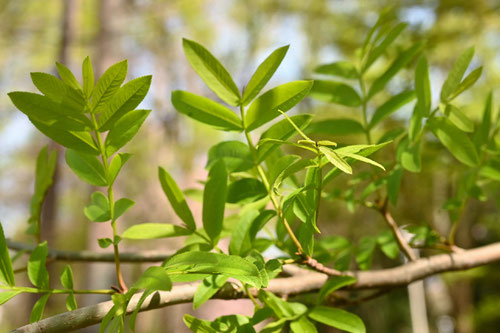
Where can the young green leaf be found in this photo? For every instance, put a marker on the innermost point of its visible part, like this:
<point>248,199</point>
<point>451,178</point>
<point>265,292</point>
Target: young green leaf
<point>98,210</point>
<point>281,308</point>
<point>423,86</point>
<point>176,198</point>
<point>115,166</point>
<point>401,61</point>
<point>154,230</point>
<point>332,284</point>
<point>71,302</point>
<point>67,76</point>
<point>343,69</point>
<point>214,200</point>
<point>6,295</point>
<point>467,82</point>
<point>335,92</point>
<point>124,130</point>
<point>37,311</point>
<point>107,85</point>
<point>457,142</point>
<point>124,100</point>
<point>459,119</point>
<point>235,154</point>
<point>377,51</point>
<point>37,272</point>
<point>391,106</point>
<point>388,244</point>
<point>196,325</point>
<point>207,288</point>
<point>284,97</point>
<point>454,77</point>
<point>483,132</point>
<point>88,77</point>
<point>206,111</point>
<point>362,159</point>
<point>335,159</point>
<point>87,167</point>
<point>339,126</point>
<point>263,73</point>
<point>121,206</point>
<point>104,242</point>
<point>394,184</point>
<point>67,277</point>
<point>6,272</point>
<point>214,263</point>
<point>50,86</point>
<point>211,71</point>
<point>364,253</point>
<point>240,242</point>
<point>337,318</point>
<point>155,278</point>
<point>303,325</point>
<point>245,190</point>
<point>409,155</point>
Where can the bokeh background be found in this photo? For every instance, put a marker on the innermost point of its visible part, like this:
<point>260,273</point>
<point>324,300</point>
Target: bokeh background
<point>34,34</point>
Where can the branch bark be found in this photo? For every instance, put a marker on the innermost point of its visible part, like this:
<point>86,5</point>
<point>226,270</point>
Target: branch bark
<point>296,284</point>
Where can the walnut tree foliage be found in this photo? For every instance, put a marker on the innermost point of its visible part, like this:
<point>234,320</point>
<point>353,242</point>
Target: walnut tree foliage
<point>256,194</point>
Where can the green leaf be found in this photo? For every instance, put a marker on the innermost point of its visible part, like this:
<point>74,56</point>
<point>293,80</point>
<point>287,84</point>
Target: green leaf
<point>6,295</point>
<point>235,154</point>
<point>104,242</point>
<point>388,244</point>
<point>409,155</point>
<point>134,314</point>
<point>394,184</point>
<point>377,51</point>
<point>282,130</point>
<point>284,97</point>
<point>198,326</point>
<point>303,325</point>
<point>423,86</point>
<point>207,288</point>
<point>361,158</point>
<point>37,311</point>
<point>87,167</point>
<point>107,85</point>
<point>154,230</point>
<point>335,92</point>
<point>121,206</point>
<point>211,71</point>
<point>115,166</point>
<point>343,69</point>
<point>67,76</point>
<point>391,106</point>
<point>124,100</point>
<point>55,89</point>
<point>98,210</point>
<point>455,75</point>
<point>459,119</point>
<point>71,302</point>
<point>176,198</point>
<point>483,132</point>
<point>337,318</point>
<point>401,61</point>
<point>339,126</point>
<point>415,125</point>
<point>467,82</point>
<point>206,111</point>
<point>214,263</point>
<point>80,141</point>
<point>6,272</point>
<point>241,241</point>
<point>67,277</point>
<point>336,160</point>
<point>214,200</point>
<point>155,278</point>
<point>245,190</point>
<point>88,77</point>
<point>277,169</point>
<point>457,142</point>
<point>124,130</point>
<point>334,283</point>
<point>263,73</point>
<point>281,308</point>
<point>491,170</point>
<point>364,253</point>
<point>37,272</point>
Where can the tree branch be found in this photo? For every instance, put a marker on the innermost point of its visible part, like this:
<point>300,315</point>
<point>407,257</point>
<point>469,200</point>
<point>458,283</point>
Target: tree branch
<point>296,284</point>
<point>64,255</point>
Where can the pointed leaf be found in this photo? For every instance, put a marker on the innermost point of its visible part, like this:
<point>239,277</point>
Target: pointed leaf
<point>394,184</point>
<point>88,77</point>
<point>423,86</point>
<point>206,111</point>
<point>7,295</point>
<point>335,92</point>
<point>263,73</point>
<point>155,278</point>
<point>245,190</point>
<point>196,325</point>
<point>37,272</point>
<point>240,242</point>
<point>124,130</point>
<point>115,166</point>
<point>6,272</point>
<point>459,119</point>
<point>343,69</point>
<point>483,132</point>
<point>391,106</point>
<point>235,154</point>
<point>37,311</point>
<point>98,210</point>
<point>67,277</point>
<point>455,75</point>
<point>107,85</point>
<point>337,318</point>
<point>339,126</point>
<point>87,167</point>
<point>207,288</point>
<point>211,72</point>
<point>67,76</point>
<point>377,51</point>
<point>335,159</point>
<point>303,325</point>
<point>334,283</point>
<point>214,200</point>
<point>467,82</point>
<point>284,97</point>
<point>71,302</point>
<point>121,206</point>
<point>154,230</point>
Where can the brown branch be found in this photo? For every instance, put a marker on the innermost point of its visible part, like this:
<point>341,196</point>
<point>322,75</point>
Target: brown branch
<point>296,284</point>
<point>92,256</point>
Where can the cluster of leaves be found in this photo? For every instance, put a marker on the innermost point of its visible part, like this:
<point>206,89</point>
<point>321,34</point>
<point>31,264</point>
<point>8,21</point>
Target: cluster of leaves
<point>252,188</point>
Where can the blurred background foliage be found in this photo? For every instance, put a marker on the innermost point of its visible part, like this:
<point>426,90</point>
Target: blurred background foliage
<point>35,34</point>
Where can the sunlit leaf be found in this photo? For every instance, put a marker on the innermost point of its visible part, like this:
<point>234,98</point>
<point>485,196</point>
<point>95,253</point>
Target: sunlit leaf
<point>214,200</point>
<point>455,75</point>
<point>337,318</point>
<point>154,230</point>
<point>335,92</point>
<point>343,69</point>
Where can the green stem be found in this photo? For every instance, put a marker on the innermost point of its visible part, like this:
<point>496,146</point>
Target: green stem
<point>264,179</point>
<point>111,200</point>
<point>254,301</point>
